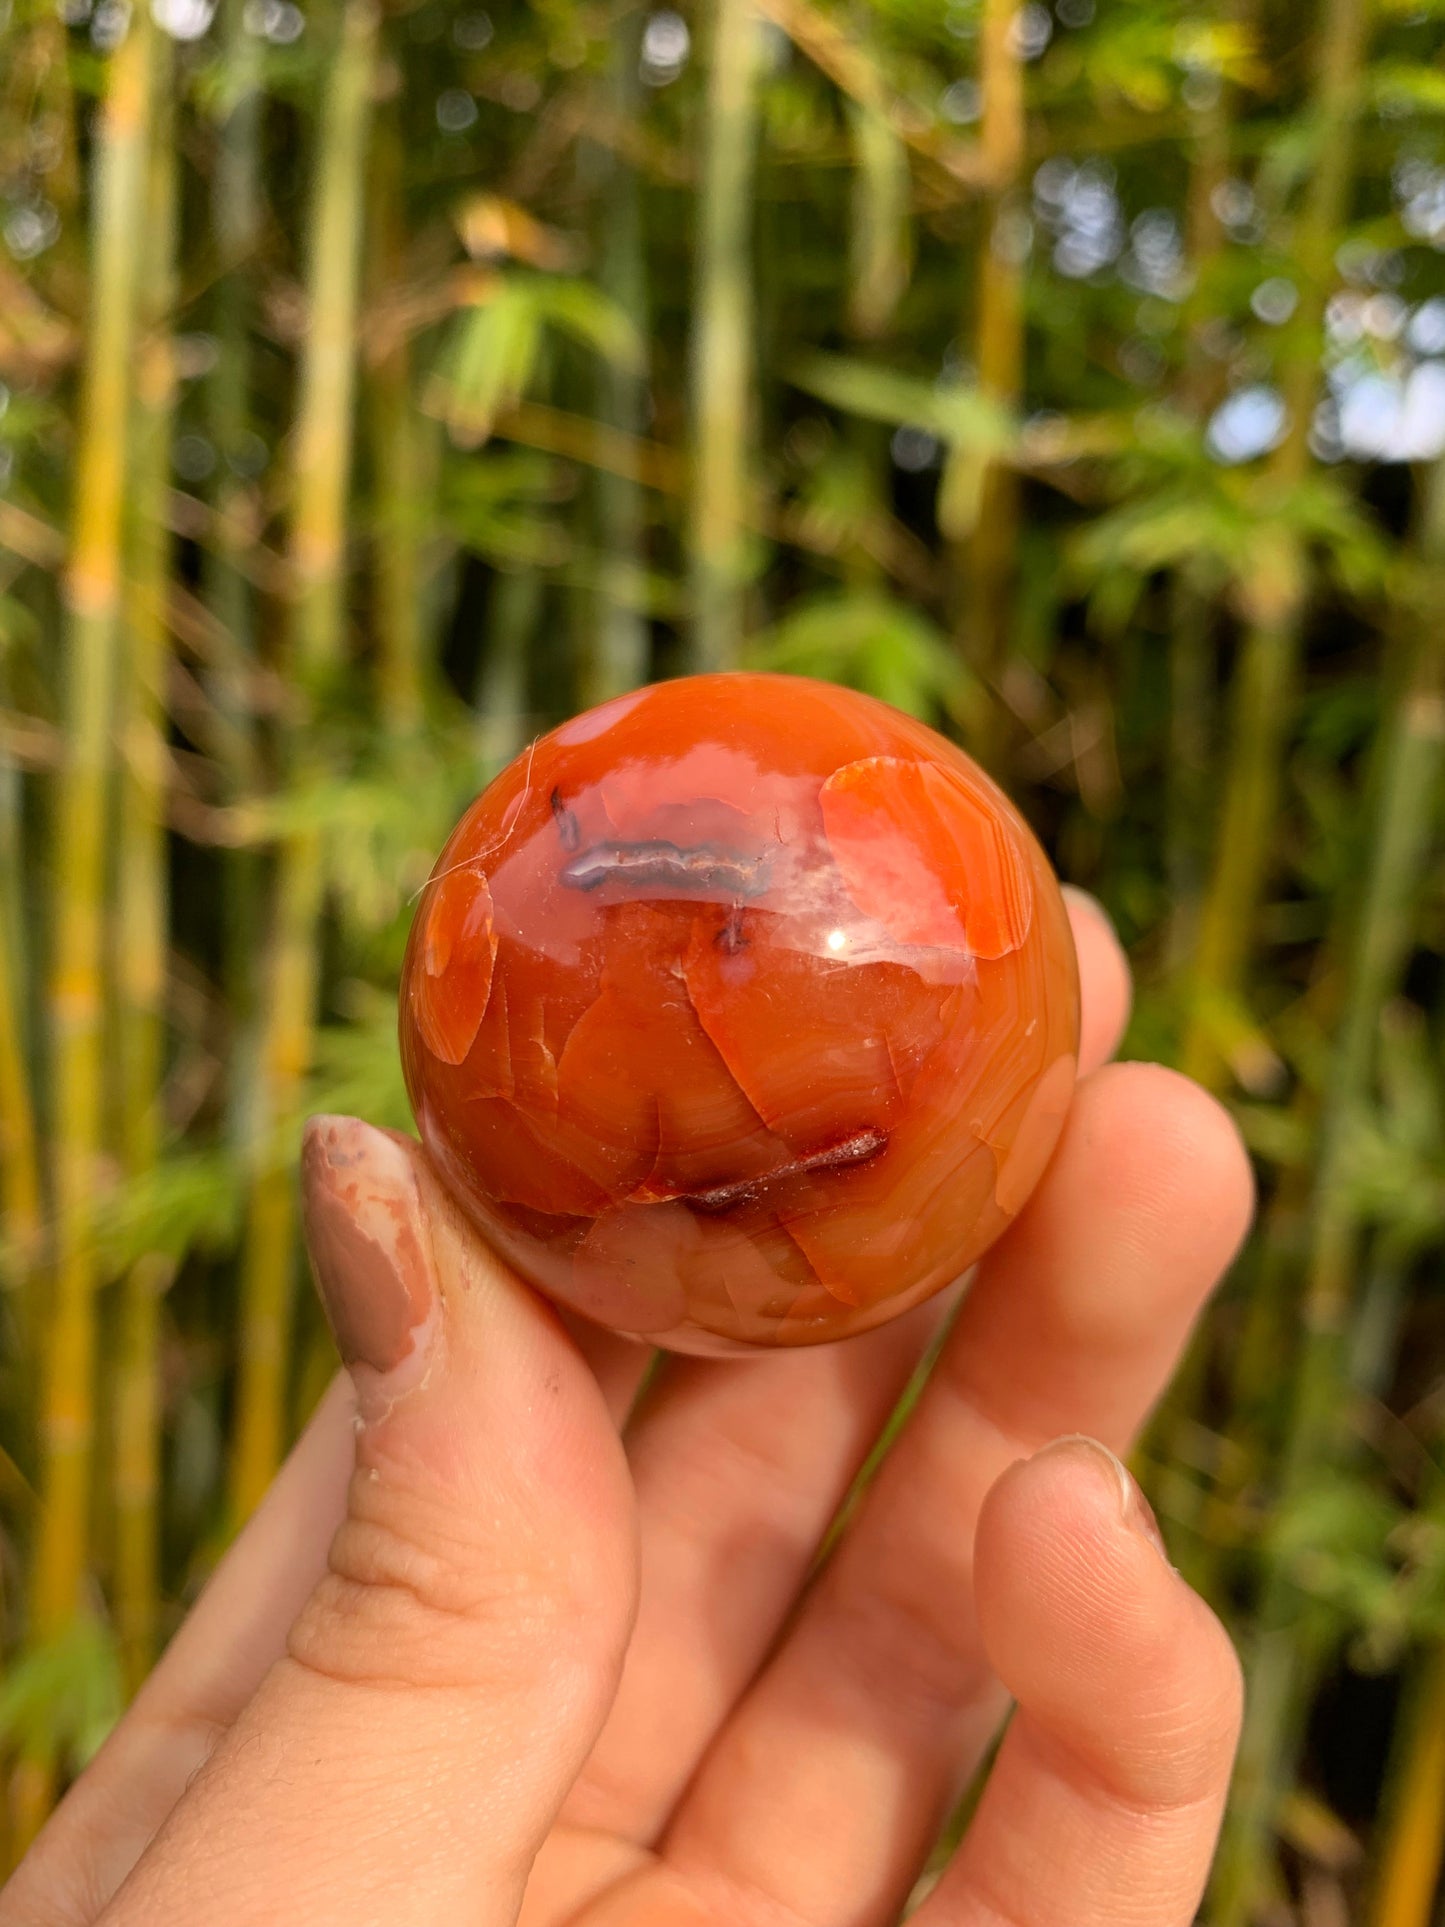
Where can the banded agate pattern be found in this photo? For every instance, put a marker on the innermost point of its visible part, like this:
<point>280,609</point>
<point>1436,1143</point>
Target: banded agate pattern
<point>741,1011</point>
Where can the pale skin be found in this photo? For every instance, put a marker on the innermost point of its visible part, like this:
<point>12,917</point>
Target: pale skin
<point>505,1644</point>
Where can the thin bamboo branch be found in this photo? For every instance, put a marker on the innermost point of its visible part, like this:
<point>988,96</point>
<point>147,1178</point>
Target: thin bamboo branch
<point>320,484</point>
<point>1263,691</point>
<point>853,71</point>
<point>722,374</point>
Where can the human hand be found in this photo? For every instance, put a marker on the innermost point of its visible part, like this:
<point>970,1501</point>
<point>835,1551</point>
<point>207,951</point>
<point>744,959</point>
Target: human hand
<point>550,1673</point>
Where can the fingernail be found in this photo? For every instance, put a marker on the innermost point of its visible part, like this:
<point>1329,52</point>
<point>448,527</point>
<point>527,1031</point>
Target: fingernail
<point>370,1253</point>
<point>1134,1508</point>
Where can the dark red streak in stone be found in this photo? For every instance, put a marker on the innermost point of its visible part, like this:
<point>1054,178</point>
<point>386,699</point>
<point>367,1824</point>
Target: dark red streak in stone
<point>853,1150</point>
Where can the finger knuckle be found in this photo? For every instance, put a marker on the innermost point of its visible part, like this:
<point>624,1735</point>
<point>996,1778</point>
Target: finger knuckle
<point>413,1596</point>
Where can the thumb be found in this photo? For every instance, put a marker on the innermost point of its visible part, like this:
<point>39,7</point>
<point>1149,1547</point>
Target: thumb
<point>445,1681</point>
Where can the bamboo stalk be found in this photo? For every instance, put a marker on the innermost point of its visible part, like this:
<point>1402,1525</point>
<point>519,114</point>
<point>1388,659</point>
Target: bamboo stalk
<point>321,478</point>
<point>268,1254</point>
<point>321,461</point>
<point>396,466</point>
<point>92,605</point>
<point>722,375</point>
<point>989,546</point>
<point>502,703</point>
<point>20,1194</point>
<point>1409,1874</point>
<point>617,658</point>
<point>1411,755</point>
<point>1263,689</point>
<point>878,231</point>
<point>142,898</point>
<point>236,224</point>
<point>1192,663</point>
<point>1414,1841</point>
<point>236,217</point>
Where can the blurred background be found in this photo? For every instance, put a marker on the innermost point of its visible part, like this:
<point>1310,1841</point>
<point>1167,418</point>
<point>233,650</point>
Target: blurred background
<point>379,384</point>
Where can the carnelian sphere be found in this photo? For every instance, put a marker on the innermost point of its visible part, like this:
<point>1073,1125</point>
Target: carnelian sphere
<point>740,1011</point>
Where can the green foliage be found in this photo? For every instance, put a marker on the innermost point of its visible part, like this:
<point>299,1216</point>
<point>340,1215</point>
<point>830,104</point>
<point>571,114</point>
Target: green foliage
<point>490,357</point>
<point>872,643</point>
<point>63,1696</point>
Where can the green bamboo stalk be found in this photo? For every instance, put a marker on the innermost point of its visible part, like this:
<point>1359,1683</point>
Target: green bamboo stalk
<point>1192,665</point>
<point>1414,1840</point>
<point>990,545</point>
<point>321,479</point>
<point>396,464</point>
<point>321,470</point>
<point>502,702</point>
<point>235,206</point>
<point>92,608</point>
<point>268,1253</point>
<point>236,223</point>
<point>1263,690</point>
<point>1411,755</point>
<point>618,653</point>
<point>142,907</point>
<point>722,375</point>
<point>880,248</point>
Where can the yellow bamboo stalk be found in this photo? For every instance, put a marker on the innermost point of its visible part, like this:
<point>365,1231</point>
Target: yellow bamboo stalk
<point>20,1198</point>
<point>91,592</point>
<point>142,899</point>
<point>92,600</point>
<point>721,349</point>
<point>322,450</point>
<point>1409,1875</point>
<point>1262,696</point>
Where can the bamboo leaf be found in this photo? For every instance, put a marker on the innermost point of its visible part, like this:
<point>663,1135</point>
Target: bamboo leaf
<point>959,416</point>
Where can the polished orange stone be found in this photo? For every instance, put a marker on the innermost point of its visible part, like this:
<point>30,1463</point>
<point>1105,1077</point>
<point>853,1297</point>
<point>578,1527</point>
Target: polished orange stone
<point>741,1011</point>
